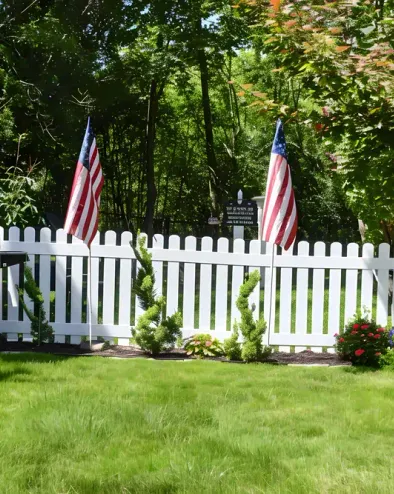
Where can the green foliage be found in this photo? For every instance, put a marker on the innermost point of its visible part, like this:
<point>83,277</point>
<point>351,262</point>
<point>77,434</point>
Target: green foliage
<point>18,199</point>
<point>41,330</point>
<point>232,347</point>
<point>386,360</point>
<point>152,332</point>
<point>203,345</point>
<point>363,342</point>
<point>252,330</point>
<point>101,58</point>
<point>341,59</point>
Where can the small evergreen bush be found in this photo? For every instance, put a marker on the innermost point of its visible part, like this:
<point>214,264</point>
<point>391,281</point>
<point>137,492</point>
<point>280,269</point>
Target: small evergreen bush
<point>41,330</point>
<point>232,347</point>
<point>152,333</point>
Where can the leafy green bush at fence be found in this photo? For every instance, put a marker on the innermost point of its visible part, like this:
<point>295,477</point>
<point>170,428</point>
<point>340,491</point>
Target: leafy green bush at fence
<point>152,333</point>
<point>41,330</point>
<point>232,347</point>
<point>203,345</point>
<point>363,342</point>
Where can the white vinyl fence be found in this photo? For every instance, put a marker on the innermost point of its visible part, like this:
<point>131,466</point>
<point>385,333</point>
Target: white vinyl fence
<point>315,291</point>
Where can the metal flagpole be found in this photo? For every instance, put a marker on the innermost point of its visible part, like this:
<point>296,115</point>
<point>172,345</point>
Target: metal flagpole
<point>272,298</point>
<point>89,287</point>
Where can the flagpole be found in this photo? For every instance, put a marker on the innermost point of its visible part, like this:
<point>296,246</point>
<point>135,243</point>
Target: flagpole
<point>89,297</point>
<point>272,299</point>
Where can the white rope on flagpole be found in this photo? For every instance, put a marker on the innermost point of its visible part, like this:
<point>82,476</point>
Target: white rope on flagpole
<point>89,297</point>
<point>272,298</point>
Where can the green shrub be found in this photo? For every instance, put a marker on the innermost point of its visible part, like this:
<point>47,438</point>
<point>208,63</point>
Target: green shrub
<point>40,328</point>
<point>202,345</point>
<point>252,331</point>
<point>232,347</point>
<point>152,333</point>
<point>363,342</point>
<point>386,360</point>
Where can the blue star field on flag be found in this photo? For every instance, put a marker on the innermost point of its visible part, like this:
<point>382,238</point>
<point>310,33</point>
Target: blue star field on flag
<point>279,145</point>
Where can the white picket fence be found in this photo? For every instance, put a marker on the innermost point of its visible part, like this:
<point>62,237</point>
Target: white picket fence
<point>316,291</point>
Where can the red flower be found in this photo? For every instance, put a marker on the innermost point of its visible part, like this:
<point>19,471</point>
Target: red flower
<point>377,354</point>
<point>208,343</point>
<point>365,326</point>
<point>354,332</point>
<point>341,340</point>
<point>380,330</point>
<point>363,334</point>
<point>359,352</point>
<point>377,336</point>
<point>335,335</point>
<point>356,326</point>
<point>370,335</point>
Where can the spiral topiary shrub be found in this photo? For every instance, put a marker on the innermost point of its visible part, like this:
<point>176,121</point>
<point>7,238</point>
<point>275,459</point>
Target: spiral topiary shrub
<point>152,333</point>
<point>252,330</point>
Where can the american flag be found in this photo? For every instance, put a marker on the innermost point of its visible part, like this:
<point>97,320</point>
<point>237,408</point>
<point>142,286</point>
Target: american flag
<point>83,208</point>
<point>279,223</point>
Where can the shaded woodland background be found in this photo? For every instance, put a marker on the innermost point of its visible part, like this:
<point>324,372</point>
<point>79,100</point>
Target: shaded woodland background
<point>184,96</point>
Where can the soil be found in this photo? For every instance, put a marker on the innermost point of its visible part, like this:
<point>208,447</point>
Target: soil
<point>306,357</point>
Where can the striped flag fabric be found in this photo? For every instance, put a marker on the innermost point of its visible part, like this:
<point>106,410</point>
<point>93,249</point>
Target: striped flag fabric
<point>83,208</point>
<point>280,221</point>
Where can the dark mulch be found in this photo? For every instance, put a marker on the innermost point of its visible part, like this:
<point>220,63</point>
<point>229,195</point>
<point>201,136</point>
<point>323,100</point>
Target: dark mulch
<point>280,358</point>
<point>305,358</point>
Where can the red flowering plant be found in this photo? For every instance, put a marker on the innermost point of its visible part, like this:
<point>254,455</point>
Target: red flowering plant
<point>362,342</point>
<point>203,345</point>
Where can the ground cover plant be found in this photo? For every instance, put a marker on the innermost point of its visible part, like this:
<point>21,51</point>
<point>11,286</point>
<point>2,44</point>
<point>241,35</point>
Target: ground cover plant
<point>91,425</point>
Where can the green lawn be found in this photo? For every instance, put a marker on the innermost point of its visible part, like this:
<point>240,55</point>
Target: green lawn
<point>90,425</point>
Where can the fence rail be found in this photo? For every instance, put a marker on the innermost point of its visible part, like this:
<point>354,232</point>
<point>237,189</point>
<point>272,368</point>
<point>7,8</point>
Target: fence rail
<point>316,290</point>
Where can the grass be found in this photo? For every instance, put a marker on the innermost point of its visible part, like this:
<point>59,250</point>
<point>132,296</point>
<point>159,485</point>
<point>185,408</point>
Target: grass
<point>89,425</point>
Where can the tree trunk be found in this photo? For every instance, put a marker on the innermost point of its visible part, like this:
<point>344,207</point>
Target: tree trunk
<point>209,142</point>
<point>151,192</point>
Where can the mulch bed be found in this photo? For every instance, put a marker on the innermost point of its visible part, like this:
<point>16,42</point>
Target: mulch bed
<point>306,357</point>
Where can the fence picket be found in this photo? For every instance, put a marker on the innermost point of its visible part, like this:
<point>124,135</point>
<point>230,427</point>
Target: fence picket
<point>30,236</point>
<point>76,291</point>
<point>318,293</point>
<point>383,288</point>
<point>158,243</point>
<point>237,280</point>
<point>1,278</point>
<point>286,276</point>
<point>254,299</point>
<point>334,297</point>
<point>60,285</point>
<point>45,272</point>
<point>13,278</point>
<point>189,287</point>
<point>221,290</point>
<point>173,278</point>
<point>125,289</point>
<point>302,295</point>
<point>94,280</point>
<point>268,293</point>
<point>204,323</point>
<point>109,282</point>
<point>138,309</point>
<point>367,282</point>
<point>351,285</point>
